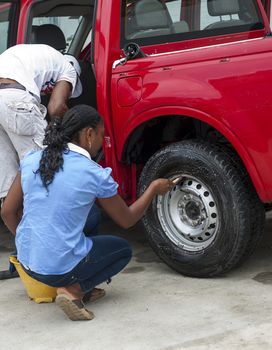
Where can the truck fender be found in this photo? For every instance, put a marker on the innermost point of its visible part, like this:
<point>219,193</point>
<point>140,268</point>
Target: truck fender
<point>217,124</point>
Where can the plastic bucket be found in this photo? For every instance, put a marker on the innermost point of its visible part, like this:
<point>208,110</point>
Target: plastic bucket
<point>37,291</point>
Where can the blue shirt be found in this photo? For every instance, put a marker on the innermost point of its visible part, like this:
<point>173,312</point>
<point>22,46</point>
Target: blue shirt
<point>50,238</point>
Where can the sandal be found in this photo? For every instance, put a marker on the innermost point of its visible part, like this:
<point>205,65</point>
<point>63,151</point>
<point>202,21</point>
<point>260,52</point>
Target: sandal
<point>74,309</point>
<point>94,294</point>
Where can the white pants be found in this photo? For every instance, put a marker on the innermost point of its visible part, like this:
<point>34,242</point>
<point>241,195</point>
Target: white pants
<point>22,124</point>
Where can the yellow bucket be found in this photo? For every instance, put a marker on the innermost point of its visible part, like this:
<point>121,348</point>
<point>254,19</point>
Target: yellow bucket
<point>38,291</point>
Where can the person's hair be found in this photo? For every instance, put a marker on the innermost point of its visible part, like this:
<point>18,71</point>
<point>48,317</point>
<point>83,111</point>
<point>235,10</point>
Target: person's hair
<point>58,133</point>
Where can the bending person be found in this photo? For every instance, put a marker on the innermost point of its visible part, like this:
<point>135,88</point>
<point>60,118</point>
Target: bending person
<point>27,72</point>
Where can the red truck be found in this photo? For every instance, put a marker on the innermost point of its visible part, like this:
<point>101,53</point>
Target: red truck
<point>184,89</point>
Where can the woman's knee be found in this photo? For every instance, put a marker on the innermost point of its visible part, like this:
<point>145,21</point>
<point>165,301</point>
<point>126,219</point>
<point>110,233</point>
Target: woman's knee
<point>128,249</point>
<point>111,245</point>
<point>119,243</point>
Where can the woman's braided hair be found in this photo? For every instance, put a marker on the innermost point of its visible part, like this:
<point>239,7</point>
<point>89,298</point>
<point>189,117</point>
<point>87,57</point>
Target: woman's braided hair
<point>58,133</point>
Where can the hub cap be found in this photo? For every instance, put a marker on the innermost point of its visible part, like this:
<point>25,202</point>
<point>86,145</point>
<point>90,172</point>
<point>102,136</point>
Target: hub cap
<point>188,214</point>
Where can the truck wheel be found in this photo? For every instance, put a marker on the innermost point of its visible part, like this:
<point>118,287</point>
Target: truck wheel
<point>205,225</point>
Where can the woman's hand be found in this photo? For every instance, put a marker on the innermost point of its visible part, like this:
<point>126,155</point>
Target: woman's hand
<point>127,216</point>
<point>162,186</point>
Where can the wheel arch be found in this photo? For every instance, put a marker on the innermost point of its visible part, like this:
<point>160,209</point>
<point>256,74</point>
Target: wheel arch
<point>185,123</point>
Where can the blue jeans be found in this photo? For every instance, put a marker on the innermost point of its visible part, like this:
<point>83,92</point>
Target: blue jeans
<point>108,256</point>
<point>92,225</point>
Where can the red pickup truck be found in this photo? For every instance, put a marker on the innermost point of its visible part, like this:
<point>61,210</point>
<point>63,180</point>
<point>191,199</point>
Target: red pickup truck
<point>184,89</point>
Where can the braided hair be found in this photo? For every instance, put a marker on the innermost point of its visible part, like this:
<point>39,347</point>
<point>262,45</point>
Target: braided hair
<point>58,133</point>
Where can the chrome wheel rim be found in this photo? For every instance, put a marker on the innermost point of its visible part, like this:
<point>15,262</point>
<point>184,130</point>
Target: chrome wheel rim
<point>188,214</point>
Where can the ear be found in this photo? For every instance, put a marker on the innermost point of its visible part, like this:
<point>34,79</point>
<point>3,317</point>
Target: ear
<point>89,133</point>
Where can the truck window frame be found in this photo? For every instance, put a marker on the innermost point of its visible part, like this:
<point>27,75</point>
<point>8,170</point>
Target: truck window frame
<point>75,47</point>
<point>13,18</point>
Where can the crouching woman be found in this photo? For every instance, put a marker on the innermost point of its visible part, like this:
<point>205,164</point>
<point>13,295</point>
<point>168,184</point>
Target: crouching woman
<point>49,202</point>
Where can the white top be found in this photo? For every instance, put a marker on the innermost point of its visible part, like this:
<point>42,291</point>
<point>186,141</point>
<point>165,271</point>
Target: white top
<point>37,67</point>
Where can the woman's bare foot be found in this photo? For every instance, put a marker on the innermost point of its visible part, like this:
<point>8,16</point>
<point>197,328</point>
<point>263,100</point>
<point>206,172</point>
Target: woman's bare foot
<point>73,291</point>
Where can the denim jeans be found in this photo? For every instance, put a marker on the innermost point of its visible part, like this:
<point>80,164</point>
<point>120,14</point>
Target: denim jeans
<point>92,225</point>
<point>108,256</point>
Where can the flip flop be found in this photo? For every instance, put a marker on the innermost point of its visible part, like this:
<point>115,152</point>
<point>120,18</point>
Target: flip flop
<point>94,294</point>
<point>74,309</point>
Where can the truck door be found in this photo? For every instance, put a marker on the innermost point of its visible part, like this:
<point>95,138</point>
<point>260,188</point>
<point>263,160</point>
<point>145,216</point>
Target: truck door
<point>9,11</point>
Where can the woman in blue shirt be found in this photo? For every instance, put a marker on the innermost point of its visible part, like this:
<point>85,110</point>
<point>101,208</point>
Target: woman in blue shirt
<point>50,200</point>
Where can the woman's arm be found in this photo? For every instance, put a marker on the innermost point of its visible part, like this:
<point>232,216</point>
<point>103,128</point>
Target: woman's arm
<point>126,216</point>
<point>12,208</point>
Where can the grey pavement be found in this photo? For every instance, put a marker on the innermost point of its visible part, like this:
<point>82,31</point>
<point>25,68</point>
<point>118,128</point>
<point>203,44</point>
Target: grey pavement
<point>149,307</point>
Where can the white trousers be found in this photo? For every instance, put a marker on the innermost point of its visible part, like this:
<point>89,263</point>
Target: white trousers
<point>22,124</point>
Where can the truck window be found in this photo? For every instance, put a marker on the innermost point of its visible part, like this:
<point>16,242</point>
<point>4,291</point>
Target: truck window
<point>73,19</point>
<point>208,19</point>
<point>67,24</point>
<point>150,22</point>
<point>7,13</point>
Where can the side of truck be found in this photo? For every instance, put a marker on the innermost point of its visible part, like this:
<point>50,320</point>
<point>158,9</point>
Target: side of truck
<point>184,87</point>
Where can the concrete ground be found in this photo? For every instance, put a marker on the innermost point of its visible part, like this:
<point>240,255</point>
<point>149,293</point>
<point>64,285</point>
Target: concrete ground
<point>149,307</point>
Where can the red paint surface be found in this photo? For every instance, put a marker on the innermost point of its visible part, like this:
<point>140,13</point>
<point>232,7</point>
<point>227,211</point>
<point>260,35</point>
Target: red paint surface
<point>224,81</point>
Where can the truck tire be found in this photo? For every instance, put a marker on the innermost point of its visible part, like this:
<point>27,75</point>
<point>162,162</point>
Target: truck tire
<point>258,209</point>
<point>210,221</point>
